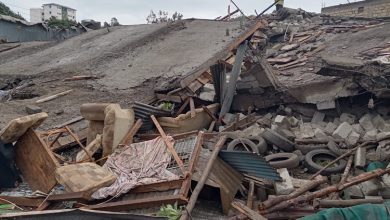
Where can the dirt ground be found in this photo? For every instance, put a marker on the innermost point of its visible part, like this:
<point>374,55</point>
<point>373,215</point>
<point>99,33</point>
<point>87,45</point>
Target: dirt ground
<point>130,62</point>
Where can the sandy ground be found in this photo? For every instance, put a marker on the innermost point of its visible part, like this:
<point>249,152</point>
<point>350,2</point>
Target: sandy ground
<point>130,62</point>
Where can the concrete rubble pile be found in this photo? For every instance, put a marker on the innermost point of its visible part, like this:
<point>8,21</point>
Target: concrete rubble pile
<point>275,128</point>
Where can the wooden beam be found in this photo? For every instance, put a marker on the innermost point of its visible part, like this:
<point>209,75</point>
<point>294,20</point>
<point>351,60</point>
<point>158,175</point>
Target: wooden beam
<point>247,211</point>
<point>54,96</point>
<point>181,109</point>
<point>169,144</point>
<point>21,201</point>
<point>192,107</point>
<point>128,138</point>
<point>138,203</point>
<point>205,175</point>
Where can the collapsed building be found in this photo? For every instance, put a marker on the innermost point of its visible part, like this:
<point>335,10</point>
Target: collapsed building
<point>280,117</point>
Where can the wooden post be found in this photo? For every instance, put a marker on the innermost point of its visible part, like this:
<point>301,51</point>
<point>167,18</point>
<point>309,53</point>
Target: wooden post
<point>249,202</point>
<point>205,174</point>
<point>128,139</point>
<point>169,144</point>
<point>192,107</point>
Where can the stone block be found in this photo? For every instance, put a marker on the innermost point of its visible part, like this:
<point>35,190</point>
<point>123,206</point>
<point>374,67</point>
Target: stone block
<point>286,186</point>
<point>318,133</point>
<point>349,118</point>
<point>337,121</point>
<point>358,129</point>
<point>353,192</point>
<point>370,135</point>
<point>342,131</point>
<point>370,187</point>
<point>318,117</point>
<point>330,128</point>
<point>282,121</point>
<point>326,105</point>
<point>306,131</point>
<point>353,138</point>
<point>366,122</point>
<point>293,121</point>
<point>378,122</point>
<point>33,109</point>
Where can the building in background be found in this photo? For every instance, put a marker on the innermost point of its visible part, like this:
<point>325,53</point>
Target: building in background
<point>47,11</point>
<point>364,9</point>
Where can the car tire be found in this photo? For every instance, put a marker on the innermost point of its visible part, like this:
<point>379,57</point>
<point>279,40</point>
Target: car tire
<point>283,160</point>
<point>260,143</point>
<point>252,146</point>
<point>278,140</point>
<point>325,154</point>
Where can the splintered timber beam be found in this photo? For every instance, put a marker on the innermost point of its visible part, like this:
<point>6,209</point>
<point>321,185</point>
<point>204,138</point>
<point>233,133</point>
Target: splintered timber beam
<point>168,143</point>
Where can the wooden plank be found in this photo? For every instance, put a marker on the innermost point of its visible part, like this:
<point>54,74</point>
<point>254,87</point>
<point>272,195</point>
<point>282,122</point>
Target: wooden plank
<point>36,162</point>
<point>54,96</point>
<point>228,99</point>
<point>138,203</point>
<point>71,196</point>
<point>158,187</point>
<point>169,144</point>
<point>181,109</point>
<point>190,77</point>
<point>191,167</point>
<point>247,211</point>
<point>145,137</point>
<point>171,98</point>
<point>69,122</point>
<point>128,138</point>
<point>22,201</point>
<point>192,107</point>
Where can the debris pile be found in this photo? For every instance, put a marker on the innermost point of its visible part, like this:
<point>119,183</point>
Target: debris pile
<point>243,124</point>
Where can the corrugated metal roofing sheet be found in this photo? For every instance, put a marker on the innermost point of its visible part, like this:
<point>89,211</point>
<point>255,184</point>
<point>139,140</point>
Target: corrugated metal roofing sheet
<point>144,111</point>
<point>250,163</point>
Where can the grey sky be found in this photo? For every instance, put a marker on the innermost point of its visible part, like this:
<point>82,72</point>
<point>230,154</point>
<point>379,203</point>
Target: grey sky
<point>135,11</point>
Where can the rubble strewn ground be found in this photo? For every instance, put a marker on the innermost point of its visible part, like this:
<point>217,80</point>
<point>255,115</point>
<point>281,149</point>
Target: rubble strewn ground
<point>306,126</point>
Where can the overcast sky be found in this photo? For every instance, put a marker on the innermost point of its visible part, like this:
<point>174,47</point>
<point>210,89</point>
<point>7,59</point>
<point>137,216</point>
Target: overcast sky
<point>135,11</point>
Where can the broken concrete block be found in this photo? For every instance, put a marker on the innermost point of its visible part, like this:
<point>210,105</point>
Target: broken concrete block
<point>378,122</point>
<point>207,96</point>
<point>306,131</point>
<point>370,187</point>
<point>287,110</point>
<point>229,118</point>
<point>382,135</point>
<point>293,121</point>
<point>318,133</point>
<point>17,127</point>
<point>331,104</point>
<point>360,157</point>
<point>337,121</point>
<point>358,129</point>
<point>349,118</point>
<point>330,128</point>
<point>318,117</point>
<point>282,121</point>
<point>342,131</point>
<point>353,192</point>
<point>353,138</point>
<point>366,122</point>
<point>208,87</point>
<point>386,178</point>
<point>286,186</point>
<point>33,109</point>
<point>370,135</point>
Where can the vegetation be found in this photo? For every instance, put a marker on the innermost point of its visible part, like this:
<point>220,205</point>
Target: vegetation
<point>54,22</point>
<point>172,212</point>
<point>5,10</point>
<point>162,17</point>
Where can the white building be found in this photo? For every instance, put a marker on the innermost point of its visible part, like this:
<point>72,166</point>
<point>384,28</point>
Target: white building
<point>47,11</point>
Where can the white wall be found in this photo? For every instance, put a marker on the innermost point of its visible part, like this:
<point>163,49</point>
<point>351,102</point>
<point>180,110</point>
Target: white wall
<point>36,15</point>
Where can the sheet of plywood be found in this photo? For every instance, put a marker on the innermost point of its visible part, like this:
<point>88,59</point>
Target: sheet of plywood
<point>36,162</point>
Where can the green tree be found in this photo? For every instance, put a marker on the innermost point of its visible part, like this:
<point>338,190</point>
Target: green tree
<point>5,10</point>
<point>54,22</point>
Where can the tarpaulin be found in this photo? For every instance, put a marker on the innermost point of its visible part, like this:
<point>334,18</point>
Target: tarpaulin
<point>359,212</point>
<point>137,164</point>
